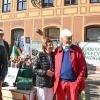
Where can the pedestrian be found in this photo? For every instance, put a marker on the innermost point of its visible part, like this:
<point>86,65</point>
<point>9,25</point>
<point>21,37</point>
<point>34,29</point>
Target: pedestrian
<point>70,68</point>
<point>4,43</point>
<point>3,67</point>
<point>44,70</point>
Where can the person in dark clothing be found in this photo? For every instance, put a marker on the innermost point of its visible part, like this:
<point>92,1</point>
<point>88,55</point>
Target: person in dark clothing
<point>4,43</point>
<point>3,67</point>
<point>44,70</point>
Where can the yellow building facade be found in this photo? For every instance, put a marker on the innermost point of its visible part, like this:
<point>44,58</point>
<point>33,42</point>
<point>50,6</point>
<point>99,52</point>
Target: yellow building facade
<point>81,18</point>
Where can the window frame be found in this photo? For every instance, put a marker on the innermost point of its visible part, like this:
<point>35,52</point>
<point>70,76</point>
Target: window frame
<point>50,30</point>
<point>48,4</point>
<point>98,1</point>
<point>86,35</point>
<point>70,2</point>
<point>22,5</point>
<point>7,4</point>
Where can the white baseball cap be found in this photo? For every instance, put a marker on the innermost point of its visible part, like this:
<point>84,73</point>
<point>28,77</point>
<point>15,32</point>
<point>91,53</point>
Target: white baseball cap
<point>65,32</point>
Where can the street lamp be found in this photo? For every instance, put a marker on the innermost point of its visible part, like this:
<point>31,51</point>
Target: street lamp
<point>36,3</point>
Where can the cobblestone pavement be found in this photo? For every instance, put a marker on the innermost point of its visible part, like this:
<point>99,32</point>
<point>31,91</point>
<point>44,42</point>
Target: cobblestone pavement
<point>92,91</point>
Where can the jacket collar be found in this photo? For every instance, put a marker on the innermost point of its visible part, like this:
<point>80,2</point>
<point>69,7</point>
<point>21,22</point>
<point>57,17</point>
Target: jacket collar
<point>72,48</point>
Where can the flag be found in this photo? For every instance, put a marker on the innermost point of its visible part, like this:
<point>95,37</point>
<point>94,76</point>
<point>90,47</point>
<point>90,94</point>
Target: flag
<point>14,53</point>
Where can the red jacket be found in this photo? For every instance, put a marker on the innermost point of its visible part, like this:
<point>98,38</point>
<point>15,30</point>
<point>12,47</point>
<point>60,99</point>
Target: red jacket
<point>78,65</point>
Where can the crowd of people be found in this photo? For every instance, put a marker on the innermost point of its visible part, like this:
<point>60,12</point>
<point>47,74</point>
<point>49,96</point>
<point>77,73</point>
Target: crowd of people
<point>58,72</point>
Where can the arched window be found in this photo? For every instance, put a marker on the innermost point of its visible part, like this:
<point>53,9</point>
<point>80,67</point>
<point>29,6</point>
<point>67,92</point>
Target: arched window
<point>52,32</point>
<point>92,34</point>
<point>16,35</point>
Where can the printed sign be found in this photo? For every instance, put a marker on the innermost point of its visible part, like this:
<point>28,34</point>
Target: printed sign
<point>26,45</point>
<point>92,52</point>
<point>11,76</point>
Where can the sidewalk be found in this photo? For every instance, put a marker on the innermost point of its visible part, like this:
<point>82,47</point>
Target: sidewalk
<point>92,90</point>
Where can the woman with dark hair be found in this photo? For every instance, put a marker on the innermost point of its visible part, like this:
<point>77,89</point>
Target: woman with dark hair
<point>44,71</point>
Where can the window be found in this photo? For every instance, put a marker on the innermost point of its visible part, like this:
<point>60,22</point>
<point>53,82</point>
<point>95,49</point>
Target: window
<point>21,5</point>
<point>70,2</point>
<point>6,7</point>
<point>16,36</point>
<point>53,33</point>
<point>93,34</point>
<point>47,3</point>
<point>94,1</point>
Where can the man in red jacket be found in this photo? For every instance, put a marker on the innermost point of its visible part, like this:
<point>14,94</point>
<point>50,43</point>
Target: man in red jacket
<point>70,68</point>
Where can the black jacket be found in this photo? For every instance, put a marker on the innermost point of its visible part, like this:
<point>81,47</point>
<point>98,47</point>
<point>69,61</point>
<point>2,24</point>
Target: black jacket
<point>40,67</point>
<point>3,63</point>
<point>7,48</point>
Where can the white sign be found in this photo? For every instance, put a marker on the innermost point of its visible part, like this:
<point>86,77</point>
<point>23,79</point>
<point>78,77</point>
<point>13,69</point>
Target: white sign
<point>92,52</point>
<point>11,76</point>
<point>27,45</point>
